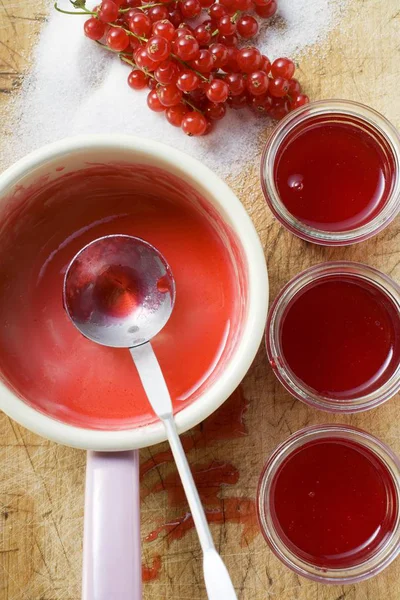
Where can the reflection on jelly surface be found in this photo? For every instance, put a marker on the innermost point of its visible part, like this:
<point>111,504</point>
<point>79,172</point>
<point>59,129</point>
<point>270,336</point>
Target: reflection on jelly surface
<point>341,337</point>
<point>333,176</point>
<point>46,360</point>
<point>334,503</point>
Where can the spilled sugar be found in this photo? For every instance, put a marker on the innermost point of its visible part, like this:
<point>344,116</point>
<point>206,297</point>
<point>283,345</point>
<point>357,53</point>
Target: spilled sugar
<point>75,87</point>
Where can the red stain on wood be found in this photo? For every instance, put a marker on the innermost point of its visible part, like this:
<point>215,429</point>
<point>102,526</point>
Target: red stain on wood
<point>225,424</point>
<point>151,573</point>
<point>229,510</point>
<point>209,478</point>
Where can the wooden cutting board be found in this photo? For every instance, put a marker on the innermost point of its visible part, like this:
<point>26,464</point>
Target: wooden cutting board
<point>41,484</point>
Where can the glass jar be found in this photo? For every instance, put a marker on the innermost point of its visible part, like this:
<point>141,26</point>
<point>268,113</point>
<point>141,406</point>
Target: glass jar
<point>381,456</point>
<point>376,131</point>
<point>365,397</point>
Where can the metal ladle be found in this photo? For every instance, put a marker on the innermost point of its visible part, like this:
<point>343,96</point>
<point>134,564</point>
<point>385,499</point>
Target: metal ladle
<point>119,291</point>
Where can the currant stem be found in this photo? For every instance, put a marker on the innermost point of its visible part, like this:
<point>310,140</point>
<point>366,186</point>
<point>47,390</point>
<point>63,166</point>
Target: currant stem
<point>151,5</point>
<point>144,6</point>
<point>70,12</point>
<point>129,32</point>
<point>185,64</point>
<point>133,64</point>
<point>143,39</point>
<point>192,105</point>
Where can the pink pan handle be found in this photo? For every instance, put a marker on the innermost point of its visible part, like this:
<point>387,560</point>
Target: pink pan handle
<point>111,548</point>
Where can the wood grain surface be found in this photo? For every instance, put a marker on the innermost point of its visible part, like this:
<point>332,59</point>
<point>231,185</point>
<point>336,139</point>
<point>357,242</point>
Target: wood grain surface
<point>41,484</point>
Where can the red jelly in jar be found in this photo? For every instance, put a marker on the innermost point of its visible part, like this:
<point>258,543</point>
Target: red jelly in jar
<point>328,504</point>
<point>330,172</point>
<point>333,337</point>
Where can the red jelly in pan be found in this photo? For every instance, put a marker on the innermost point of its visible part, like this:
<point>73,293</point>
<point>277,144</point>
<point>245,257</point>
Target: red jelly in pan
<point>333,337</point>
<point>330,172</point>
<point>329,503</point>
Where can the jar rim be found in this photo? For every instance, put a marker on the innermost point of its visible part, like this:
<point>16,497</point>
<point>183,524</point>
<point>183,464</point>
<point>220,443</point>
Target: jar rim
<point>349,108</point>
<point>283,372</point>
<point>361,571</point>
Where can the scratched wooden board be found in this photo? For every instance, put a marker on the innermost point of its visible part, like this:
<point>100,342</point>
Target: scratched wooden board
<point>41,484</point>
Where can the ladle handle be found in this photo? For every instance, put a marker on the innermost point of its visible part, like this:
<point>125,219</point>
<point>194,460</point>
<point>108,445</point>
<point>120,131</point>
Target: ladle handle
<point>111,549</point>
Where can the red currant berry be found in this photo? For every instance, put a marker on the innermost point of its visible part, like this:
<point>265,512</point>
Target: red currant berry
<point>130,14</point>
<point>279,108</point>
<point>176,113</point>
<point>226,26</point>
<point>175,16</point>
<point>202,34</point>
<point>257,83</point>
<point>220,55</point>
<point>169,95</point>
<point>236,83</point>
<point>204,62</point>
<point>140,25</point>
<point>117,39</point>
<point>143,60</point>
<point>158,13</point>
<point>247,27</point>
<point>158,48</point>
<point>188,81</point>
<point>203,85</point>
<point>135,43</point>
<point>152,83</point>
<point>174,5</point>
<point>244,5</point>
<point>266,10</point>
<point>231,65</point>
<point>94,29</point>
<point>206,3</point>
<point>137,80</point>
<point>283,67</point>
<point>120,21</point>
<point>217,91</point>
<point>167,72</point>
<point>216,11</point>
<point>299,100</point>
<point>183,29</point>
<point>209,127</point>
<point>153,102</point>
<point>164,29</point>
<point>261,104</point>
<point>186,47</point>
<point>294,88</point>
<point>278,87</point>
<point>198,98</point>
<point>132,3</point>
<point>108,11</point>
<point>228,3</point>
<point>190,9</point>
<point>228,40</point>
<point>265,64</point>
<point>215,111</point>
<point>249,59</point>
<point>238,102</point>
<point>194,123</point>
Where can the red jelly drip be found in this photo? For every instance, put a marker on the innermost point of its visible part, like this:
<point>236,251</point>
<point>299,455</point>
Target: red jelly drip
<point>334,502</point>
<point>334,176</point>
<point>341,337</point>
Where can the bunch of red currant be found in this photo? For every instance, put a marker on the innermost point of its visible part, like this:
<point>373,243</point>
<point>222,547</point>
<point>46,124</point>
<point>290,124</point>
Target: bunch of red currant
<point>195,71</point>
